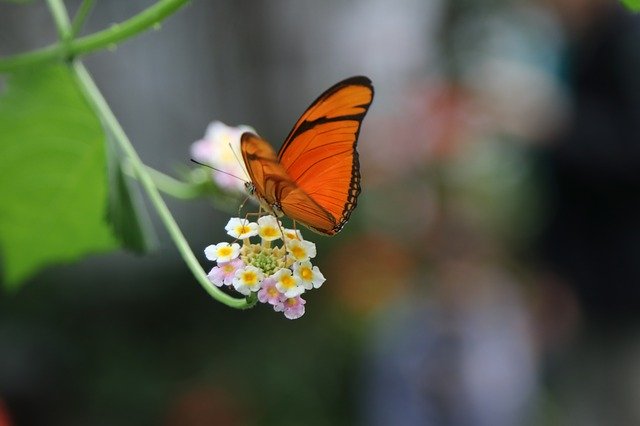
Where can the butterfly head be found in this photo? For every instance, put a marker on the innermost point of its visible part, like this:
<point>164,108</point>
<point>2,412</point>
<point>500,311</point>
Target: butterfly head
<point>274,209</point>
<point>250,188</point>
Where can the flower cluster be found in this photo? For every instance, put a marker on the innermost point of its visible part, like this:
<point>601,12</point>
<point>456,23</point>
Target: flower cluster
<point>279,274</point>
<point>219,148</point>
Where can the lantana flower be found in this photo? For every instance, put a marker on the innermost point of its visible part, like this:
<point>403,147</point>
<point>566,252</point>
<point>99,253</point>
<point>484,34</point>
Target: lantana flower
<point>269,293</point>
<point>269,228</point>
<point>276,270</point>
<point>301,251</point>
<point>287,283</point>
<point>294,307</point>
<point>241,228</point>
<point>248,279</point>
<point>309,275</point>
<point>224,273</point>
<point>220,148</point>
<point>222,252</point>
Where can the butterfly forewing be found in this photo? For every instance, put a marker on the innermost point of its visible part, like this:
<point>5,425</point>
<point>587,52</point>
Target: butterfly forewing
<point>350,97</point>
<point>262,165</point>
<point>320,152</point>
<point>315,178</point>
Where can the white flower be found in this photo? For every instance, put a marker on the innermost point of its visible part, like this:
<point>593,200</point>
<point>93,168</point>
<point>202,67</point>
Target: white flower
<point>301,250</point>
<point>248,279</point>
<point>292,234</point>
<point>222,252</point>
<point>268,228</point>
<point>310,276</point>
<point>241,228</point>
<point>287,283</point>
<point>220,148</point>
<point>276,274</point>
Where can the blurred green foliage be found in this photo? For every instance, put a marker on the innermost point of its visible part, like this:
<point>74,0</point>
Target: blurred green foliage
<point>63,190</point>
<point>53,181</point>
<point>633,5</point>
<point>158,353</point>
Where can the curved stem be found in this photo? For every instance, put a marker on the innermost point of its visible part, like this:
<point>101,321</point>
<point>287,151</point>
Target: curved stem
<point>111,123</point>
<point>108,37</point>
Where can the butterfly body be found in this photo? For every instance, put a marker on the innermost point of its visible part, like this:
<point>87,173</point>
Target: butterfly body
<point>315,177</point>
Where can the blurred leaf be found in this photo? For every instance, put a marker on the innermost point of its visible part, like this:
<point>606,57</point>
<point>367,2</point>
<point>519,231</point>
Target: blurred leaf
<point>53,182</point>
<point>126,211</point>
<point>632,5</point>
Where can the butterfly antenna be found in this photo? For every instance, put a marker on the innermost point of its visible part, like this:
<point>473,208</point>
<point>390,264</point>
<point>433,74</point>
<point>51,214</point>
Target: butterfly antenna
<point>218,170</point>
<point>238,160</point>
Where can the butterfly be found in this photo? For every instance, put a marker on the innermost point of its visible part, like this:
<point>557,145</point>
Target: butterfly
<point>315,177</point>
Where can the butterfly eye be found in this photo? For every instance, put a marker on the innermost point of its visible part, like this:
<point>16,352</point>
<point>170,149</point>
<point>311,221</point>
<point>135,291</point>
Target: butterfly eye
<point>250,188</point>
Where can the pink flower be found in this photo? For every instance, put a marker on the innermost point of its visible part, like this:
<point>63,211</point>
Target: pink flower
<point>225,271</point>
<point>294,307</point>
<point>268,293</point>
<point>220,148</point>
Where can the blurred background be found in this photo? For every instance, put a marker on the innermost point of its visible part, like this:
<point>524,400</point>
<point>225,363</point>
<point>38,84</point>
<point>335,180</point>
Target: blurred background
<point>489,276</point>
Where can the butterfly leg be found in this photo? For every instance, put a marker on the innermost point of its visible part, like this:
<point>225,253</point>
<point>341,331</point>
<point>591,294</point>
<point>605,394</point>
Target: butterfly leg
<point>284,240</point>
<point>242,205</point>
<point>261,212</point>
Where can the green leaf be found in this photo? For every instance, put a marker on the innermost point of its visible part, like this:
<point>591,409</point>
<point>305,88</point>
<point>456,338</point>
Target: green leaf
<point>632,5</point>
<point>53,180</point>
<point>126,213</point>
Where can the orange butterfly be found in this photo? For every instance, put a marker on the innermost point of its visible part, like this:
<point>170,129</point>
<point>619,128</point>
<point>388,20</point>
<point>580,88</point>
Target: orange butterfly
<point>315,177</point>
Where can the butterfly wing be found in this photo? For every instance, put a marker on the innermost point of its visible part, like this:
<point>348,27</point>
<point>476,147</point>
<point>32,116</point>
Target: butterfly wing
<point>320,156</point>
<point>275,189</point>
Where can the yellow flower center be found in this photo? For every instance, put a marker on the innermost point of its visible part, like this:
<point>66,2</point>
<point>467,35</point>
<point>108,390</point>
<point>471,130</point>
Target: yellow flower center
<point>292,302</point>
<point>224,251</point>
<point>242,229</point>
<point>272,291</point>
<point>298,252</point>
<point>227,268</point>
<point>249,277</point>
<point>269,232</point>
<point>287,281</point>
<point>306,273</point>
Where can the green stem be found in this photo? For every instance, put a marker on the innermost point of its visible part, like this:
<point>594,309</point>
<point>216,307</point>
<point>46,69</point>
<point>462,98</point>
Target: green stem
<point>61,18</point>
<point>81,16</point>
<point>111,123</point>
<point>103,111</point>
<point>108,37</point>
